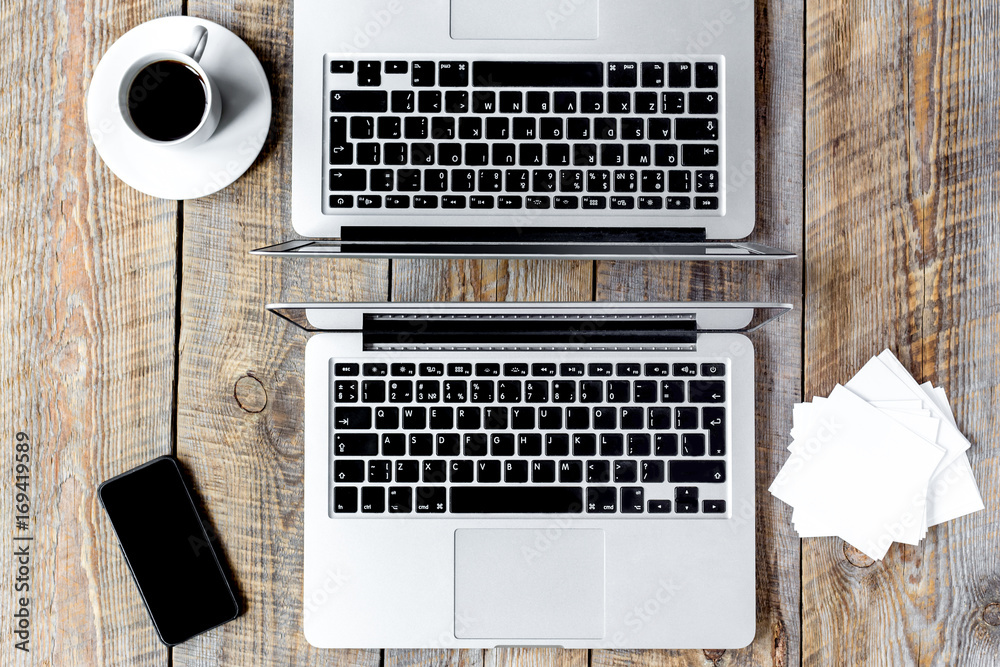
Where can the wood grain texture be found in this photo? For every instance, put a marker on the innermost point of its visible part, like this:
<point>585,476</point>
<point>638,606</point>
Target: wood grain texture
<point>241,373</point>
<point>777,346</point>
<point>87,336</point>
<point>903,247</point>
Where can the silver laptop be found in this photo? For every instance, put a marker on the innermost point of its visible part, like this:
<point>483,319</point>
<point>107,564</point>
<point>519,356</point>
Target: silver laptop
<point>524,128</point>
<point>578,475</point>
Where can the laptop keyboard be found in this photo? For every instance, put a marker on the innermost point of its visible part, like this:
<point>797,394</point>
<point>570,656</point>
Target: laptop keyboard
<point>620,436</point>
<point>554,135</point>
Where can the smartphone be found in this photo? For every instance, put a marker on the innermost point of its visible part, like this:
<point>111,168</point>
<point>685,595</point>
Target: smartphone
<point>168,551</point>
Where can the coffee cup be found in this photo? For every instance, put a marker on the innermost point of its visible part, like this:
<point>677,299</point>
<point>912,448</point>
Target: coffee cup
<point>166,98</point>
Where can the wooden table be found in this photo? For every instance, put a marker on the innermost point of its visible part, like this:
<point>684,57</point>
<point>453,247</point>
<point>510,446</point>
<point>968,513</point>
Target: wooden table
<point>133,327</point>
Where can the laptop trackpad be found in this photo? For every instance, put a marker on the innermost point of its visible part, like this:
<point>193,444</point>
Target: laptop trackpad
<point>525,19</point>
<point>529,584</point>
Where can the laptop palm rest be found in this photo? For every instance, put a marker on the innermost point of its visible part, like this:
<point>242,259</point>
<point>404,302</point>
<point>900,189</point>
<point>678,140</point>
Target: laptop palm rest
<point>525,19</point>
<point>546,583</point>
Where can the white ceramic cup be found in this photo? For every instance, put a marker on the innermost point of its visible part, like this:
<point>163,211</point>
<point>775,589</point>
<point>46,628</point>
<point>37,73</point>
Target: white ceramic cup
<point>189,57</point>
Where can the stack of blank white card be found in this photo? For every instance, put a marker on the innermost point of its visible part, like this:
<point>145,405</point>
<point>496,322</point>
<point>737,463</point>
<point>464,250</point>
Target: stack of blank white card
<point>878,461</point>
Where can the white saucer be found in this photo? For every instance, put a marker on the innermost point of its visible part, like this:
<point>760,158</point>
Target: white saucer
<point>182,172</point>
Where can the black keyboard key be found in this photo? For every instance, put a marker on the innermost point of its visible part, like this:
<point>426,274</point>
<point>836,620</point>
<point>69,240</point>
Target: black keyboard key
<point>428,391</point>
<point>658,506</point>
<point>393,444</point>
<point>598,472</point>
<point>453,74</point>
<point>516,500</point>
<point>504,154</point>
<point>522,418</point>
<point>619,391</point>
<point>605,419</point>
<point>706,203</point>
<point>577,418</point>
<point>386,418</point>
<point>595,202</point>
<point>529,444</point>
<point>501,444</point>
<point>519,370</point>
<point>651,472</point>
<point>348,471</point>
<point>697,129</point>
<point>703,103</point>
<point>537,74</point>
<point>679,75</point>
<point>495,419</point>
<point>672,391</point>
<point>407,180</point>
<point>638,444</point>
<point>448,444</point>
<point>431,499</point>
<point>622,75</point>
<point>487,472</point>
<point>477,155</point>
<point>462,472</point>
<point>685,370</point>
<point>342,66</point>
<point>563,391</point>
<point>584,444</point>
<point>394,154</point>
<point>515,472</point>
<point>565,102</point>
<point>484,101</point>
<point>679,180</point>
<point>490,180</point>
<point>475,444</point>
<point>584,155</point>
<point>400,500</point>
<point>638,156</point>
<point>423,73</point>
<point>633,418</point>
<point>373,391</point>
<point>455,101</point>
<point>538,102</point>
<point>403,101</point>
<point>644,391</point>
<point>435,180</point>
<point>571,370</point>
<point>706,181</point>
<point>557,444</point>
<point>713,506</point>
<point>536,391</point>
<point>463,180</point>
<point>509,391</point>
<point>570,472</point>
<point>415,127</point>
<point>517,181</point>
<point>713,370</point>
<point>369,154</point>
<point>429,101</point>
<point>345,499</point>
<point>352,418</point>
<point>543,180</point>
<point>481,391</point>
<point>407,471</point>
<point>414,418</point>
<point>665,444</point>
<point>647,103</point>
<point>672,103</point>
<point>449,154</point>
<point>707,391</point>
<point>425,201</point>
<point>543,472</point>
<point>551,129</point>
<point>605,129</point>
<point>440,417</point>
<point>625,472</point>
<point>511,101</point>
<point>657,369</point>
<point>693,444</point>
<point>714,421</point>
<point>694,471</point>
<point>537,202</point>
<point>686,493</point>
<point>497,128</point>
<point>359,101</point>
<point>421,444</point>
<point>345,369</point>
<point>659,129</point>
<point>687,507</point>
<point>706,75</point>
<point>347,179</point>
<point>622,203</point>
<point>665,155</point>
<point>543,370</point>
<point>369,73</point>
<point>523,128</point>
<point>599,180</point>
<point>592,391</point>
<point>678,203</point>
<point>549,419</point>
<point>379,472</point>
<point>601,500</point>
<point>460,369</point>
<point>341,201</point>
<point>659,419</point>
<point>628,370</point>
<point>632,130</point>
<point>632,500</point>
<point>626,180</point>
<point>700,155</point>
<point>612,444</point>
<point>381,180</point>
<point>396,67</point>
<point>468,418</point>
<point>400,391</point>
<point>652,75</point>
<point>434,472</point>
<point>687,418</point>
<point>373,499</point>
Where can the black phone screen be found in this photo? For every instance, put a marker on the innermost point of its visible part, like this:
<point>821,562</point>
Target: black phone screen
<point>168,551</point>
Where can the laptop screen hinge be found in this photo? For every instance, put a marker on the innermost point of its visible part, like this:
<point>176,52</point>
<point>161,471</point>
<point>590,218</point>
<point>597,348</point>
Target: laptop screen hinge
<point>529,332</point>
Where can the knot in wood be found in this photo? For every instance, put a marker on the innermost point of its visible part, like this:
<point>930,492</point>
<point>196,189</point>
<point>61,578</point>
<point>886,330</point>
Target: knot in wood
<point>856,557</point>
<point>250,394</point>
<point>991,614</point>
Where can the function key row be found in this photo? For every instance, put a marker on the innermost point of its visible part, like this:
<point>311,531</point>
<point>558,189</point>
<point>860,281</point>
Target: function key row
<point>460,73</point>
<point>599,369</point>
<point>533,202</point>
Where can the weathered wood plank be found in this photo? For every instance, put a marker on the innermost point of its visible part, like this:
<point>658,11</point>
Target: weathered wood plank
<point>433,657</point>
<point>241,372</point>
<point>903,126</point>
<point>779,223</point>
<point>87,335</point>
<point>538,657</point>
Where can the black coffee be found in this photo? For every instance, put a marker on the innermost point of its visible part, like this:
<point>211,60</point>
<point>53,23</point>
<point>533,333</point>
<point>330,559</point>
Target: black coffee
<point>166,100</point>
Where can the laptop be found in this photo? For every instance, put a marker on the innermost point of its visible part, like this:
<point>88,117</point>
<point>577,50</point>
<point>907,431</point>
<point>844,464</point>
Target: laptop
<point>507,129</point>
<point>538,474</point>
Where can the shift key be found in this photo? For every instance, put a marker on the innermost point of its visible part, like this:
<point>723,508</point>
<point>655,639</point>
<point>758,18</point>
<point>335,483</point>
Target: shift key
<point>693,472</point>
<point>347,180</point>
<point>358,101</point>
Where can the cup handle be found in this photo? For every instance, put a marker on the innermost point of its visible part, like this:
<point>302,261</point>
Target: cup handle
<point>196,48</point>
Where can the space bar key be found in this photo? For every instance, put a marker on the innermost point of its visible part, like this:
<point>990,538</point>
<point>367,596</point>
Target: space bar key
<point>516,500</point>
